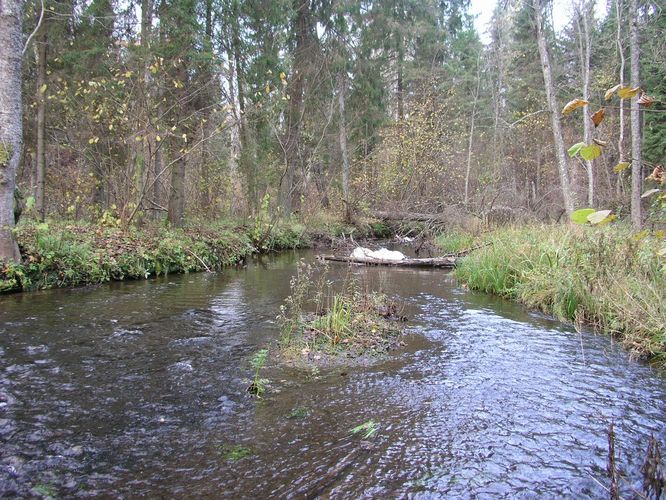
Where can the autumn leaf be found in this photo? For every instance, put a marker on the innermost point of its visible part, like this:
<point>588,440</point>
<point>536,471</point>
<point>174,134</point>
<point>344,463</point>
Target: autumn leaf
<point>628,92</point>
<point>598,117</point>
<point>650,192</point>
<point>611,92</point>
<point>645,100</point>
<point>601,143</point>
<point>590,152</point>
<point>575,104</point>
<point>599,217</point>
<point>623,165</point>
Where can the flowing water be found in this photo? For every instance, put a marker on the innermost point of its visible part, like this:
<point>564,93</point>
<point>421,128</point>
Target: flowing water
<point>139,389</point>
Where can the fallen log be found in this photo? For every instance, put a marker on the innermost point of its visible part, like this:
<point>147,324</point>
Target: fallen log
<point>447,262</point>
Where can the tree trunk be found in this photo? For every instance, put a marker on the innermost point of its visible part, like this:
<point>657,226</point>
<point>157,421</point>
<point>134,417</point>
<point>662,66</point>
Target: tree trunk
<point>585,56</point>
<point>554,110</point>
<point>11,125</point>
<point>470,140</point>
<point>40,164</point>
<point>636,168</point>
<point>620,141</point>
<point>343,145</point>
<point>289,192</point>
<point>177,197</point>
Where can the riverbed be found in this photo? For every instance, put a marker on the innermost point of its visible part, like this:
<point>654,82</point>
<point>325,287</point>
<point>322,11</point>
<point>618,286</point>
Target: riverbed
<point>139,389</point>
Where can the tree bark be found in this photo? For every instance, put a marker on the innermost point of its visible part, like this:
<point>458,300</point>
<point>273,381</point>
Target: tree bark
<point>470,140</point>
<point>177,198</point>
<point>343,145</point>
<point>585,56</point>
<point>11,125</point>
<point>620,141</point>
<point>636,167</point>
<point>40,164</point>
<point>560,150</point>
<point>289,192</point>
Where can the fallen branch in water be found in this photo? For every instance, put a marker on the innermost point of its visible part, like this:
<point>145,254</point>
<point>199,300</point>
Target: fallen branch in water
<point>447,262</point>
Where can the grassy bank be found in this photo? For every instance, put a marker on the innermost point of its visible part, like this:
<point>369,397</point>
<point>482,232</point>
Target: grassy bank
<point>607,277</point>
<point>62,254</point>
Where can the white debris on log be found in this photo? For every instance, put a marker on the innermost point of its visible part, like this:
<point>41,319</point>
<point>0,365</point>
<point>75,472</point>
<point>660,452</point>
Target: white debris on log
<point>381,254</point>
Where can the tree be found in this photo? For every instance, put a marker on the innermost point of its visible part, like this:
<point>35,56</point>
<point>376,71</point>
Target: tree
<point>636,166</point>
<point>554,109</point>
<point>11,126</point>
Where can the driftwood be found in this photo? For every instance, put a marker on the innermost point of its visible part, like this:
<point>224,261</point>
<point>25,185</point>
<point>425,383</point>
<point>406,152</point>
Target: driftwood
<point>445,261</point>
<point>412,217</point>
<point>448,262</point>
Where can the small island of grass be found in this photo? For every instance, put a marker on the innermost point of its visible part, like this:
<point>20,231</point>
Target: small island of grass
<point>325,325</point>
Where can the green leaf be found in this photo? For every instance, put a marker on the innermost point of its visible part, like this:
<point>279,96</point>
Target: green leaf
<point>590,152</point>
<point>598,217</point>
<point>580,216</point>
<point>650,192</point>
<point>573,150</point>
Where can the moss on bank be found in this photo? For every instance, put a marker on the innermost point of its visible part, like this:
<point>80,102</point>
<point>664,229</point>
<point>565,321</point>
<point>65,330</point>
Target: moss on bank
<point>62,254</point>
<point>607,277</point>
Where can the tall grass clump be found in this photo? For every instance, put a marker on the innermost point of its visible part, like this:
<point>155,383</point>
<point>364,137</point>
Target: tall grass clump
<point>324,316</point>
<point>607,277</point>
<point>455,241</point>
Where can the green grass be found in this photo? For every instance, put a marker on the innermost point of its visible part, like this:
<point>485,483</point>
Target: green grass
<point>455,241</point>
<point>62,254</point>
<point>607,277</point>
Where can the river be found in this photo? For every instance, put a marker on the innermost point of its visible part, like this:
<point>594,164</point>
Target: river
<point>139,389</point>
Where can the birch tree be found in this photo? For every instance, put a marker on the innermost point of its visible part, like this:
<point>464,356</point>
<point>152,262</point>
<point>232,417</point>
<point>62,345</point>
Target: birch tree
<point>11,127</point>
<point>553,107</point>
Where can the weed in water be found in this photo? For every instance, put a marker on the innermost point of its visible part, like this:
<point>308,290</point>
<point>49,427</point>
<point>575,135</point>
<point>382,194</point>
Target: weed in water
<point>45,491</point>
<point>370,428</point>
<point>236,453</point>
<point>299,412</point>
<point>257,361</point>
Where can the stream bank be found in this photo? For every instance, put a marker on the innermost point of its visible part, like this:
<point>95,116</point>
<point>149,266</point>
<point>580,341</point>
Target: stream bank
<point>60,254</point>
<point>609,278</point>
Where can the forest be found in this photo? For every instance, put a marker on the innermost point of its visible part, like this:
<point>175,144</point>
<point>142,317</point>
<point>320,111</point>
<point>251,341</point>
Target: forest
<point>198,110</point>
<point>194,192</point>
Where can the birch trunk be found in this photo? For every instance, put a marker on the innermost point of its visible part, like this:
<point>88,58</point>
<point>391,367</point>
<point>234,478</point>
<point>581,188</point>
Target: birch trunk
<point>620,141</point>
<point>636,170</point>
<point>11,126</point>
<point>585,56</point>
<point>560,150</point>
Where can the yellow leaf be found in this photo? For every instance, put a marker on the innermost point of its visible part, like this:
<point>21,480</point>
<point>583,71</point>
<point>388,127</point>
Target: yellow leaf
<point>138,138</point>
<point>158,138</point>
<point>628,92</point>
<point>184,136</point>
<point>575,104</point>
<point>611,92</point>
<point>111,126</point>
<point>128,74</point>
<point>267,89</point>
<point>42,89</point>
<point>623,165</point>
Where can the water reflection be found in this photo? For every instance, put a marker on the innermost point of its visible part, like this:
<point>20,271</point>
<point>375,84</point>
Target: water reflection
<point>139,389</point>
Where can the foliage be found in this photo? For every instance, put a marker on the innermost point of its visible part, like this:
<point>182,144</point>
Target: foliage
<point>608,277</point>
<point>369,429</point>
<point>317,316</point>
<point>455,241</point>
<point>257,361</point>
<point>236,453</point>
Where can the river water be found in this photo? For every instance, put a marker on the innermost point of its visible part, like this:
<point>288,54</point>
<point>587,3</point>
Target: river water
<point>139,389</point>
